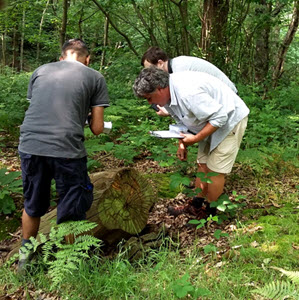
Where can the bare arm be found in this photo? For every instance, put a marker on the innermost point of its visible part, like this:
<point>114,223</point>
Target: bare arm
<point>190,139</point>
<point>97,120</point>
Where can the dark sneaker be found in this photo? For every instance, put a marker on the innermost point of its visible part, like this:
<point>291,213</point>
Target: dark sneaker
<point>24,261</point>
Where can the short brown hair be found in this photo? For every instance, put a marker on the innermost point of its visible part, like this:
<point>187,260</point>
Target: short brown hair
<point>153,54</point>
<point>76,45</point>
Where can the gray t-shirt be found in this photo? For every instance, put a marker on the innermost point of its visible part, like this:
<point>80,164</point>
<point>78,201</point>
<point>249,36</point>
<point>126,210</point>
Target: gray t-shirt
<point>61,95</point>
<point>190,63</point>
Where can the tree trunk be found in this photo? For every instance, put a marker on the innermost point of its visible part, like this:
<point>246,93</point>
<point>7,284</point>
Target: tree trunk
<point>3,42</point>
<point>183,8</point>
<point>285,44</point>
<point>214,22</point>
<point>15,49</point>
<point>22,41</point>
<point>101,8</point>
<point>105,43</point>
<point>262,55</point>
<point>64,22</point>
<point>122,200</point>
<point>148,28</point>
<point>40,30</point>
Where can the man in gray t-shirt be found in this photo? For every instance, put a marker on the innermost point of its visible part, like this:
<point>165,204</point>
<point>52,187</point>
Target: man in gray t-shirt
<point>51,144</point>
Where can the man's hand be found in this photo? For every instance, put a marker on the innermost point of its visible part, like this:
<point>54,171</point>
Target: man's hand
<point>162,111</point>
<point>182,151</point>
<point>189,139</point>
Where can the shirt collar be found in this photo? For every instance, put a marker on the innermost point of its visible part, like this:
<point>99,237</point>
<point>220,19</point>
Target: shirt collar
<point>173,98</point>
<point>169,63</point>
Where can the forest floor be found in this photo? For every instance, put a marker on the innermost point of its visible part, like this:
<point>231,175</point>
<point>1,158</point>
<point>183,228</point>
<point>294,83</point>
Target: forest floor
<point>265,195</point>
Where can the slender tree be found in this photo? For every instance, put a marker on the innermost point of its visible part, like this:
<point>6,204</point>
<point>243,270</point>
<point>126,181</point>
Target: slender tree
<point>64,22</point>
<point>278,70</point>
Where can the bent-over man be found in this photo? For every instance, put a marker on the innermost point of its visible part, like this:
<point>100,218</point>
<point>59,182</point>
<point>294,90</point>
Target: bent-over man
<point>215,115</point>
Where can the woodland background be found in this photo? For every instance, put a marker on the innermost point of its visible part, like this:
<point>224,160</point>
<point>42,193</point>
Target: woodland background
<point>255,43</point>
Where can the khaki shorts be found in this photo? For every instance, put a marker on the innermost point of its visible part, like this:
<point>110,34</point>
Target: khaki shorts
<point>222,158</point>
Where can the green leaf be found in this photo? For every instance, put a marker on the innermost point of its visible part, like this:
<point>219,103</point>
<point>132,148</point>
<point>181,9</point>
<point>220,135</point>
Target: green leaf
<point>209,248</point>
<point>218,234</point>
<point>221,207</point>
<point>7,205</point>
<point>211,174</point>
<point>195,222</point>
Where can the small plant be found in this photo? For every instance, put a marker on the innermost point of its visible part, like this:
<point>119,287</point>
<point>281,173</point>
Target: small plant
<point>182,287</point>
<point>209,248</point>
<point>223,204</point>
<point>9,184</point>
<point>281,289</point>
<point>60,257</point>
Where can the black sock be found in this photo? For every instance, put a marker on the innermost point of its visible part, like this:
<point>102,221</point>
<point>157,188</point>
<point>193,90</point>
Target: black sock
<point>24,241</point>
<point>211,210</point>
<point>197,202</point>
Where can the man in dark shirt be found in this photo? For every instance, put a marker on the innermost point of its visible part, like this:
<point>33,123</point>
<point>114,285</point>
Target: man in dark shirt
<point>51,145</point>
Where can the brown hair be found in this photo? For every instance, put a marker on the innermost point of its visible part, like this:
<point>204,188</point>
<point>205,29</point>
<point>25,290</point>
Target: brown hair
<point>76,45</point>
<point>153,54</point>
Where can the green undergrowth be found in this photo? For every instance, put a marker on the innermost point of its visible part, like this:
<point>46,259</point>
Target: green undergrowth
<point>8,225</point>
<point>170,272</point>
<point>265,236</point>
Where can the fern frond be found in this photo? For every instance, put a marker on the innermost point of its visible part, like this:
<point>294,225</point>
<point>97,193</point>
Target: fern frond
<point>278,291</point>
<point>292,275</point>
<point>75,227</point>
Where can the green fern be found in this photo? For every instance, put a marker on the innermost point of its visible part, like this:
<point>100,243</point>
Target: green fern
<point>62,259</point>
<point>292,275</point>
<point>280,290</point>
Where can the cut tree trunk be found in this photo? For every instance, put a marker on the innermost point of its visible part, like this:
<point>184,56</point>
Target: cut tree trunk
<point>122,200</point>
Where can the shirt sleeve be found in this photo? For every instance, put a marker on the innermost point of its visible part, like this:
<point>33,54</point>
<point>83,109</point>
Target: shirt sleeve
<point>100,97</point>
<point>207,109</point>
<point>30,85</point>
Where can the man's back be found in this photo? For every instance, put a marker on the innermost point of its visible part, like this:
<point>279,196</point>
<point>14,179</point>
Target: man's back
<point>190,63</point>
<point>61,95</point>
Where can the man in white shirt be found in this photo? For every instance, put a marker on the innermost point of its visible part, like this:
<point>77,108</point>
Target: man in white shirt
<point>215,115</point>
<point>155,56</point>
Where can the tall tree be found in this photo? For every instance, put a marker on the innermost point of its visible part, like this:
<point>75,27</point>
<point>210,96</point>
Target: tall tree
<point>64,22</point>
<point>213,32</point>
<point>183,8</point>
<point>262,51</point>
<point>40,30</point>
<point>278,70</point>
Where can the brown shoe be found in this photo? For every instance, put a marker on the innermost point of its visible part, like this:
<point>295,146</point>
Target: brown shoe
<point>184,209</point>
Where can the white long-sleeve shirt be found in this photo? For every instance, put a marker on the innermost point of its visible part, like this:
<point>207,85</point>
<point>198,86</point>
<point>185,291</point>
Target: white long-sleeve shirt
<point>198,98</point>
<point>191,63</point>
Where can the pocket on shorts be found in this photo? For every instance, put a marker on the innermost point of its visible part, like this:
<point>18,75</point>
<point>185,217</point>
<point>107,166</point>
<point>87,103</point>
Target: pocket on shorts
<point>85,201</point>
<point>27,164</point>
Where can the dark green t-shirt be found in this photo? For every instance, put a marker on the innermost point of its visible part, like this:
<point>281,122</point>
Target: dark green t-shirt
<point>61,95</point>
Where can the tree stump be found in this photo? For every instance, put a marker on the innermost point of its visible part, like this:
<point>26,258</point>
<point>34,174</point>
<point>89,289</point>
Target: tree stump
<point>122,200</point>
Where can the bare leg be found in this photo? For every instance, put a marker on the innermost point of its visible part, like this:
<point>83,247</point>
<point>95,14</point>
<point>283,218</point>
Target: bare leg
<point>215,189</point>
<point>30,225</point>
<point>211,191</point>
<point>199,184</point>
